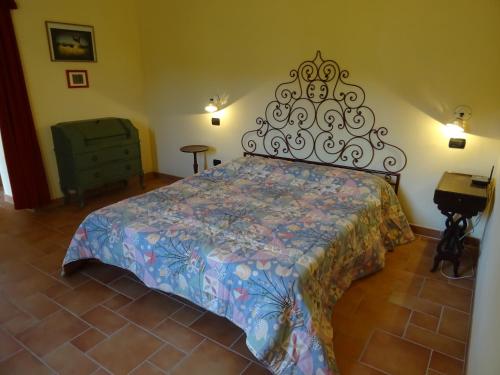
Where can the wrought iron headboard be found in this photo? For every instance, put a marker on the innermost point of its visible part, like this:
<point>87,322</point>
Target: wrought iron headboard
<point>319,118</point>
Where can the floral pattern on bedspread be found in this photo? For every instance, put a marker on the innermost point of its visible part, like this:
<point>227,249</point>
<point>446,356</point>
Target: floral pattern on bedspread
<point>269,244</point>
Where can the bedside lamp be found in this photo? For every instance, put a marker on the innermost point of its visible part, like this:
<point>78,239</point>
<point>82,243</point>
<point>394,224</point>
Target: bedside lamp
<point>215,105</point>
<point>458,126</point>
<point>211,107</point>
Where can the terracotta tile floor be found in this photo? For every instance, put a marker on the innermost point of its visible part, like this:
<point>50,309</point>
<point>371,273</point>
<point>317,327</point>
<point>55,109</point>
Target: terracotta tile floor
<point>101,320</point>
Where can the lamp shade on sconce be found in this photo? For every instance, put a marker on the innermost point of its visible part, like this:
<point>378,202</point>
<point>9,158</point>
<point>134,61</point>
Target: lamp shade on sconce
<point>211,107</point>
<point>462,114</point>
<point>456,126</point>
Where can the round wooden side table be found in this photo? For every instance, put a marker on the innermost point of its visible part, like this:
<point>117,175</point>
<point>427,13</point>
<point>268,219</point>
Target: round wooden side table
<point>194,149</point>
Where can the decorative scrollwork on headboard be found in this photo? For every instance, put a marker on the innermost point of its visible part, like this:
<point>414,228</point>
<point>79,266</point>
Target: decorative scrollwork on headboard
<point>319,116</point>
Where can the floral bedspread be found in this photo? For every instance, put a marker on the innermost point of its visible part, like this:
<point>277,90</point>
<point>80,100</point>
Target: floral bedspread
<point>269,244</point>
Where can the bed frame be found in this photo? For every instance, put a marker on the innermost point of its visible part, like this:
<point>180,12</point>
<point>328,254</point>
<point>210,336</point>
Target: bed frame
<point>319,118</point>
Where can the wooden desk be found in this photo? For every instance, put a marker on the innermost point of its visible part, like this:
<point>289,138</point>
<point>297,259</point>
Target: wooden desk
<point>194,149</point>
<point>459,200</point>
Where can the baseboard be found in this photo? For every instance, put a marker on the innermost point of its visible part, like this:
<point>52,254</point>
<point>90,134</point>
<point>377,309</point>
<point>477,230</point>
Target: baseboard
<point>436,234</point>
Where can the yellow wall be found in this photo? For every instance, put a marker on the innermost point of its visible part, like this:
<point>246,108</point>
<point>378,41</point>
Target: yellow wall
<point>159,62</point>
<point>116,84</point>
<point>416,61</point>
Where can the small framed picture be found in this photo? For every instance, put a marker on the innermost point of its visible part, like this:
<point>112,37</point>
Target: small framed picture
<point>70,42</point>
<point>77,78</point>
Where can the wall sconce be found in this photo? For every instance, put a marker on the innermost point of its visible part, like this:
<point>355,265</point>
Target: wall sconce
<point>458,126</point>
<point>214,105</point>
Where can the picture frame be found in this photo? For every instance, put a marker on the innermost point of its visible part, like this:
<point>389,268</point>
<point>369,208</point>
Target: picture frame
<point>71,42</point>
<point>77,79</point>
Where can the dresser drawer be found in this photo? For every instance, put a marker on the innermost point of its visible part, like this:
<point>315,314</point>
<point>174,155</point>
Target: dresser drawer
<point>90,178</point>
<point>106,155</point>
<point>121,169</point>
<point>109,172</point>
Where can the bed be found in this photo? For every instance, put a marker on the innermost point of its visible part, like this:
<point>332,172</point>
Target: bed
<point>271,244</point>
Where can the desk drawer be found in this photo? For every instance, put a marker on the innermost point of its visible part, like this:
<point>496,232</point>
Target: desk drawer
<point>458,203</point>
<point>109,172</point>
<point>106,155</point>
<point>121,169</point>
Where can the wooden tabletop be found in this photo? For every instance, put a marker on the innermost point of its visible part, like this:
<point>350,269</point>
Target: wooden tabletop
<point>459,183</point>
<point>194,148</point>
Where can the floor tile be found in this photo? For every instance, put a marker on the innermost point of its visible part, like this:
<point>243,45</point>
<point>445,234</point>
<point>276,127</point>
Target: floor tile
<point>463,283</point>
<point>19,323</point>
<point>69,360</point>
<point>210,358</point>
<point>435,341</point>
<point>39,305</point>
<point>49,263</point>
<point>445,364</point>
<point>7,310</point>
<point>424,320</point>
<point>104,273</point>
<point>125,350</point>
<point>42,237</point>
<point>147,369</point>
<point>52,332</point>
<point>385,315</point>
<point>349,302</point>
<point>353,327</point>
<point>8,345</point>
<point>348,348</point>
<point>88,339</point>
<point>442,292</point>
<point>240,346</point>
<point>181,337</point>
<point>151,309</point>
<point>356,368</point>
<point>393,354</point>
<point>85,296</point>
<point>36,282</point>
<point>415,303</point>
<point>167,357</point>
<point>217,328</point>
<point>72,280</point>
<point>56,290</point>
<point>23,363</point>
<point>455,324</point>
<point>104,319</point>
<point>117,302</point>
<point>129,287</point>
<point>186,315</point>
<point>255,369</point>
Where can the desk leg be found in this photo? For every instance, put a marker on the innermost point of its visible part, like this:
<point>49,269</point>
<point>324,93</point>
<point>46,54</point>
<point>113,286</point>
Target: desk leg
<point>451,245</point>
<point>195,163</point>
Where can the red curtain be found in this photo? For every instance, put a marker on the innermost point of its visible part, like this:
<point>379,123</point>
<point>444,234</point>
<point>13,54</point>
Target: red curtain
<point>22,152</point>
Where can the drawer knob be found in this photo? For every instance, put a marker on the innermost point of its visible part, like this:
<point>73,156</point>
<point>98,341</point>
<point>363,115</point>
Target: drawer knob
<point>126,151</point>
<point>460,200</point>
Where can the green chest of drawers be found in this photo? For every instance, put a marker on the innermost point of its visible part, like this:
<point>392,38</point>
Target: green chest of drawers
<point>93,153</point>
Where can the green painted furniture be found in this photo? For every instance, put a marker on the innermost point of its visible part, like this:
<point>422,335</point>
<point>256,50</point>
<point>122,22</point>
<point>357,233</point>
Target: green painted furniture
<point>93,153</point>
